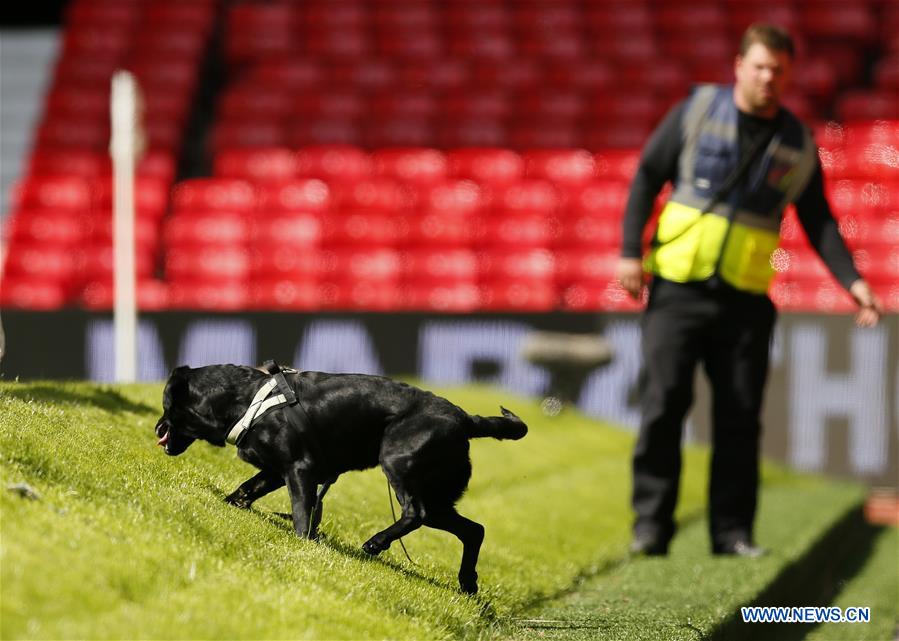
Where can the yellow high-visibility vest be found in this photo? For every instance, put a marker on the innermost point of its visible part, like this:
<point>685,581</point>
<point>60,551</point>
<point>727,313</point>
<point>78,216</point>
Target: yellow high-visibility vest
<point>738,236</point>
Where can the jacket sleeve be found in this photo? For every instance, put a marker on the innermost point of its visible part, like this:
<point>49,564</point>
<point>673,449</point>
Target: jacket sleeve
<point>658,165</point>
<point>823,232</point>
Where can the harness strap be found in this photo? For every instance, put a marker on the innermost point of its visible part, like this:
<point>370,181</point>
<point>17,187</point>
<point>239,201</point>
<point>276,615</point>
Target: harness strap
<point>258,406</point>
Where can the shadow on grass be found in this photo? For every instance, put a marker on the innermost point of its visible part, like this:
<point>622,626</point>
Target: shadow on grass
<point>105,398</point>
<point>814,579</point>
<point>284,521</point>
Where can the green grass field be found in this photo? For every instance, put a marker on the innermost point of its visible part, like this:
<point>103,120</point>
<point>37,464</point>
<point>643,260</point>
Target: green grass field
<point>125,542</point>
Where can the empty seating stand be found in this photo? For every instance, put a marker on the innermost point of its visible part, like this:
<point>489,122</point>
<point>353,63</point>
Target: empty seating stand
<point>422,155</point>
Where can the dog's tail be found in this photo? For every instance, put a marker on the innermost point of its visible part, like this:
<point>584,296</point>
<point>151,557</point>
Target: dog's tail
<point>507,426</point>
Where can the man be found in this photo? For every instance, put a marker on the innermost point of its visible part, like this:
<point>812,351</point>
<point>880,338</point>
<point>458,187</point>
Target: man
<point>710,261</point>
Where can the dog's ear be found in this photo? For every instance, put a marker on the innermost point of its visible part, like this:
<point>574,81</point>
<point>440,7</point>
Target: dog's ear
<point>179,384</point>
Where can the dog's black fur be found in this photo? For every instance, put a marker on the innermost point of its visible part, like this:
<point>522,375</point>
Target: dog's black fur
<point>355,421</point>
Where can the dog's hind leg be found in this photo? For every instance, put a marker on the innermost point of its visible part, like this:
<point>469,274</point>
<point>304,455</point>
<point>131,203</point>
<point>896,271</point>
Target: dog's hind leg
<point>470,533</point>
<point>255,488</point>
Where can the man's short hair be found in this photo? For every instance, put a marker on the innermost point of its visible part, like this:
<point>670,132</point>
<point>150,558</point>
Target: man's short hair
<point>771,36</point>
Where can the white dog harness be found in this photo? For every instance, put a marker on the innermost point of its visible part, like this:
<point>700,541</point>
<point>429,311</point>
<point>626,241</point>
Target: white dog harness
<point>260,404</point>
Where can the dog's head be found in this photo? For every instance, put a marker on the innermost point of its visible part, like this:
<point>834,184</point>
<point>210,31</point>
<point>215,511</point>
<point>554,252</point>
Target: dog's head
<point>188,413</point>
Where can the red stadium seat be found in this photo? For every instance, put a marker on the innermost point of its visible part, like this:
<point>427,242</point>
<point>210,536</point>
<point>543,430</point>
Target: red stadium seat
<point>257,164</point>
<point>623,134</point>
<point>26,292</point>
<point>206,228</point>
<point>196,263</point>
<point>449,197</point>
<point>482,16</point>
<point>235,132</point>
<point>421,166</point>
<point>288,74</point>
<point>544,134</point>
<point>518,229</point>
<point>360,295</point>
<point>585,265</point>
<point>525,74</point>
<point>439,265</point>
<point>47,227</point>
<point>255,101</point>
<point>438,229</point>
<point>858,196</point>
<point>602,198</point>
<point>588,230</point>
<point>152,295</point>
<point>371,195</point>
<point>363,228</point>
<point>285,294</point>
<point>41,262</point>
<point>482,45</point>
<point>334,104</point>
<point>869,105</point>
<point>618,164</point>
<point>399,131</point>
<point>404,104</point>
<point>295,229</point>
<point>333,163</point>
<point>216,296</point>
<point>297,195</point>
<point>626,17</point>
<point>214,194</point>
<point>586,75</point>
<point>426,296</point>
<point>848,21</point>
<point>561,166</point>
<point>54,192</point>
<point>338,43</point>
<point>284,261</point>
<point>373,263</point>
<point>411,43</point>
<point>486,104</point>
<point>632,48</point>
<point>527,196</point>
<point>497,263</point>
<point>472,132</point>
<point>364,75</point>
<point>487,165</point>
<point>325,130</point>
<point>524,295</point>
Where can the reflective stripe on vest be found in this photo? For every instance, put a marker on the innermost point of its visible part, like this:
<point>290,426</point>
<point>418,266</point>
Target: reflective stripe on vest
<point>690,244</point>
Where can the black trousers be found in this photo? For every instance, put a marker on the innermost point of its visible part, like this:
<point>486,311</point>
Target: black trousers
<point>729,332</point>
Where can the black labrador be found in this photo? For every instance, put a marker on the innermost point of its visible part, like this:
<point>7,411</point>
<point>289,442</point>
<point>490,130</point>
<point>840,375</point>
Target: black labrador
<point>341,422</point>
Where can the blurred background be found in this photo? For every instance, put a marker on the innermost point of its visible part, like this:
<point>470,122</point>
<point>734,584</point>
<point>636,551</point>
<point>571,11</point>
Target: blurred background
<point>411,187</point>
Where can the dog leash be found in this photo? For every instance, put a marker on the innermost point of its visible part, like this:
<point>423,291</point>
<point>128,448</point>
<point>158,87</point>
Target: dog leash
<point>393,513</point>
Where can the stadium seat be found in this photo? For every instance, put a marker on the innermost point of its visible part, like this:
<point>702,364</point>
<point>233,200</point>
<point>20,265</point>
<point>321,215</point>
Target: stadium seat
<point>357,295</point>
<point>365,227</point>
<point>205,263</point>
<point>349,264</point>
<point>333,163</point>
<point>440,229</point>
<point>562,167</point>
<point>284,261</point>
<point>523,295</point>
<point>416,166</point>
<point>256,164</point>
<point>284,295</point>
<point>206,228</point>
<point>426,296</point>
<point>584,264</point>
<point>593,297</point>
<point>518,229</point>
<point>439,265</point>
<point>216,296</point>
<point>28,292</point>
<point>453,197</point>
<point>47,227</point>
<point>214,194</point>
<point>499,263</point>
<point>62,192</point>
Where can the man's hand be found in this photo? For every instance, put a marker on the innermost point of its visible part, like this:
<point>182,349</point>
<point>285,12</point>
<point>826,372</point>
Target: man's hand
<point>871,308</point>
<point>630,274</point>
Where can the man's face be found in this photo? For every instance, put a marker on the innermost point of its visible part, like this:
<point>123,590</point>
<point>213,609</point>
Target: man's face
<point>762,78</point>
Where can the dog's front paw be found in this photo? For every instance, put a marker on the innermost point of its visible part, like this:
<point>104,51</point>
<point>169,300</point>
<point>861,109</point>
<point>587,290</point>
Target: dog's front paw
<point>373,547</point>
<point>238,499</point>
<point>469,583</point>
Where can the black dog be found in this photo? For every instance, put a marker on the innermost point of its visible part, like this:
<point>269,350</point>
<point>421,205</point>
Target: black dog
<point>337,423</point>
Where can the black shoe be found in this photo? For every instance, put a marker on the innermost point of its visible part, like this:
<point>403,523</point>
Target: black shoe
<point>740,547</point>
<point>648,546</point>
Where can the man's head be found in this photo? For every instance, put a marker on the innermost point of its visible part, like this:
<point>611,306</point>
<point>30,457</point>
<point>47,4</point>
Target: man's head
<point>763,69</point>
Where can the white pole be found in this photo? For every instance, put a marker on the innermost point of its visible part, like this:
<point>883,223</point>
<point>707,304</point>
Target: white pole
<point>123,150</point>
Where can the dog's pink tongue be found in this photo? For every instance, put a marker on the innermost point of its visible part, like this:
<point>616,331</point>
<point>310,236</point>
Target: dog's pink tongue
<point>163,440</point>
